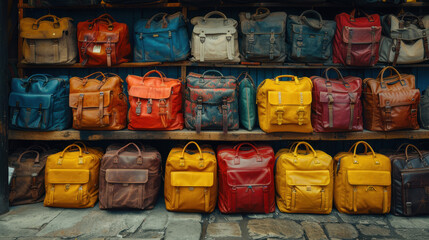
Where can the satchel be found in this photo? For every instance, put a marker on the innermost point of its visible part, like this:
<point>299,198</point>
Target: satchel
<point>357,40</point>
<point>285,106</point>
<point>304,181</point>
<point>130,177</point>
<point>40,103</point>
<point>424,109</point>
<point>362,181</point>
<point>263,35</point>
<point>62,3</point>
<point>211,102</point>
<point>214,39</point>
<point>48,41</point>
<point>309,39</point>
<point>191,179</point>
<point>246,101</point>
<point>98,103</point>
<point>163,32</point>
<point>336,103</point>
<point>390,103</point>
<point>103,42</point>
<point>155,102</point>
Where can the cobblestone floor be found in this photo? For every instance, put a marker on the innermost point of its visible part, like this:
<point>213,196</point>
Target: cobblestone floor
<point>34,221</point>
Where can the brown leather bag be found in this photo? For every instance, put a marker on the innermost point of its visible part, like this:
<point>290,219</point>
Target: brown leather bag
<point>390,103</point>
<point>130,177</point>
<point>98,103</point>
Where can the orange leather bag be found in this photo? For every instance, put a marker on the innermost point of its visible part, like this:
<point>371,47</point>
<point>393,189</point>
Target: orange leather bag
<point>155,102</point>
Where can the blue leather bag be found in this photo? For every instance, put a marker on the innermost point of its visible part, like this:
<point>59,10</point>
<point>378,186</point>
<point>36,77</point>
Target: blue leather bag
<point>40,102</point>
<point>162,38</point>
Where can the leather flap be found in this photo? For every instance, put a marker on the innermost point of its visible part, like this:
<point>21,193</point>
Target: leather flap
<point>289,98</point>
<point>64,176</point>
<point>338,97</point>
<point>148,92</point>
<point>212,96</point>
<point>307,30</point>
<point>98,36</point>
<point>399,98</point>
<point>127,175</point>
<point>415,179</point>
<point>309,177</point>
<point>46,29</point>
<point>90,99</point>
<point>409,34</point>
<point>34,101</point>
<point>361,35</point>
<point>192,179</point>
<point>248,177</point>
<point>368,178</point>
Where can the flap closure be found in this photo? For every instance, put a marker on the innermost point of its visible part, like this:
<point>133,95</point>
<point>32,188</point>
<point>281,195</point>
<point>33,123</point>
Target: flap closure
<point>192,179</point>
<point>338,97</point>
<point>399,98</point>
<point>304,29</point>
<point>127,175</point>
<point>248,177</point>
<point>361,35</point>
<point>409,34</point>
<point>98,36</point>
<point>213,26</point>
<point>90,99</point>
<point>308,178</point>
<point>34,101</point>
<point>211,96</point>
<point>416,179</point>
<point>64,176</point>
<point>289,98</point>
<point>275,22</point>
<point>45,30</point>
<point>368,178</point>
<point>148,92</point>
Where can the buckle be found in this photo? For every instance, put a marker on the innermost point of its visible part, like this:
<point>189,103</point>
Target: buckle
<point>228,38</point>
<point>108,50</point>
<point>202,39</point>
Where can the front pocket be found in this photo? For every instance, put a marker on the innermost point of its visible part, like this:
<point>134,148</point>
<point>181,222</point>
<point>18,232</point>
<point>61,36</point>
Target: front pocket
<point>156,46</point>
<point>263,46</point>
<point>338,110</point>
<point>415,189</point>
<point>216,47</point>
<point>309,45</point>
<point>91,109</point>
<point>289,107</point>
<point>31,111</point>
<point>361,45</point>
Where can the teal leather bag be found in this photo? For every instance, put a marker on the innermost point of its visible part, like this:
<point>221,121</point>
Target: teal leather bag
<point>247,100</point>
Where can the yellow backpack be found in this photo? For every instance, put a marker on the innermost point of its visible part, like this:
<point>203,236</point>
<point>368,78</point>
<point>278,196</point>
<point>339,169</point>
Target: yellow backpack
<point>191,179</point>
<point>71,177</point>
<point>304,181</point>
<point>285,106</point>
<point>362,181</point>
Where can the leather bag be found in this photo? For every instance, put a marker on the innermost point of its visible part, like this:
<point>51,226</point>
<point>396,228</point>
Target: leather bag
<point>285,106</point>
<point>130,177</point>
<point>103,42</point>
<point>71,177</point>
<point>98,103</point>
<point>309,39</point>
<point>263,35</point>
<point>214,39</point>
<point>246,100</point>
<point>336,105</point>
<point>357,39</point>
<point>155,102</point>
<point>211,102</point>
<point>163,32</point>
<point>424,109</point>
<point>246,178</point>
<point>191,179</point>
<point>362,181</point>
<point>48,40</point>
<point>62,3</point>
<point>304,181</point>
<point>39,102</point>
<point>134,1</point>
<point>390,103</point>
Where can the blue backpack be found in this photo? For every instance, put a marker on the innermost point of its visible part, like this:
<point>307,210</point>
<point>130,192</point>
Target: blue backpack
<point>40,102</point>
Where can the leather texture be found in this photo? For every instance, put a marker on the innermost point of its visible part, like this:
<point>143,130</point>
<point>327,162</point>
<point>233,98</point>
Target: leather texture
<point>309,39</point>
<point>304,180</point>
<point>71,177</point>
<point>155,102</point>
<point>211,102</point>
<point>39,102</point>
<point>262,35</point>
<point>162,38</point>
<point>390,103</point>
<point>424,109</point>
<point>214,39</point>
<point>285,106</point>
<point>103,42</point>
<point>130,177</point>
<point>98,102</point>
<point>48,40</point>
<point>246,178</point>
<point>191,179</point>
<point>246,100</point>
<point>62,3</point>
<point>336,105</point>
<point>362,181</point>
<point>357,39</point>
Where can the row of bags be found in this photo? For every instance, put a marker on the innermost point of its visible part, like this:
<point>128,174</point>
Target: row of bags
<point>241,178</point>
<point>265,37</point>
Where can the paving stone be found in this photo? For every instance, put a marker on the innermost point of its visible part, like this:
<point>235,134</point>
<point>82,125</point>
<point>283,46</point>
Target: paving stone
<point>313,230</point>
<point>178,216</point>
<point>409,222</point>
<point>260,215</point>
<point>156,218</point>
<point>363,219</point>
<point>413,233</point>
<point>372,230</point>
<point>233,217</point>
<point>179,229</point>
<point>223,230</point>
<point>40,238</point>
<point>309,217</point>
<point>275,228</point>
<point>341,230</point>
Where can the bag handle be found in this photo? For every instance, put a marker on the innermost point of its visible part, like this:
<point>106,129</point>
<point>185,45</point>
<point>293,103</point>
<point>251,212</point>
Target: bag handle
<point>161,74</point>
<point>304,19</point>
<point>352,16</point>
<point>61,157</point>
<point>103,18</point>
<point>44,76</point>
<point>246,75</point>
<point>37,146</point>
<point>261,13</point>
<point>295,152</point>
<point>340,76</point>
<point>355,161</point>
<point>139,158</point>
<point>392,70</point>
<point>182,157</point>
<point>237,150</point>
<point>295,78</point>
<point>54,18</point>
<point>96,77</point>
<point>154,17</point>
<point>36,160</point>
<point>421,25</point>
<point>208,15</point>
<point>212,71</point>
<point>366,148</point>
<point>107,16</point>
<point>80,143</point>
<point>292,146</point>
<point>416,149</point>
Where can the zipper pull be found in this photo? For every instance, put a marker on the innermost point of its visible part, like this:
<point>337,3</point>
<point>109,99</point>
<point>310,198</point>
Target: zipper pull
<point>139,108</point>
<point>141,36</point>
<point>149,106</point>
<point>338,167</point>
<point>169,34</point>
<point>250,188</point>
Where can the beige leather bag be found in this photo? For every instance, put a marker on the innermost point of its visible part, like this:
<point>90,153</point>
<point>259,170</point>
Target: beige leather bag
<point>50,41</point>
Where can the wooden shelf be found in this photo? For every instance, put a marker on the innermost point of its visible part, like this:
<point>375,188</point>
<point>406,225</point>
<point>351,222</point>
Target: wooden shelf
<point>142,5</point>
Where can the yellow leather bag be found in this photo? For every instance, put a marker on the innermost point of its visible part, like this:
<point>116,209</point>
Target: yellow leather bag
<point>285,106</point>
<point>71,177</point>
<point>362,181</point>
<point>191,179</point>
<point>304,181</point>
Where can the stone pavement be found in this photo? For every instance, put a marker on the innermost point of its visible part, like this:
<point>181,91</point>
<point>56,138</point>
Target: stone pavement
<point>34,221</point>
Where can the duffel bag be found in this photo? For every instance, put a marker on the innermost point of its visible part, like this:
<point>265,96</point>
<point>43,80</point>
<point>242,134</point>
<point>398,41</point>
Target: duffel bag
<point>246,100</point>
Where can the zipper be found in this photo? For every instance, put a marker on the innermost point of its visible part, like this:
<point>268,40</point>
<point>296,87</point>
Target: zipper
<point>385,200</point>
<point>248,113</point>
<point>170,37</point>
<point>293,197</point>
<point>323,199</point>
<point>51,195</point>
<point>79,194</point>
<point>176,198</point>
<point>354,199</point>
<point>206,200</point>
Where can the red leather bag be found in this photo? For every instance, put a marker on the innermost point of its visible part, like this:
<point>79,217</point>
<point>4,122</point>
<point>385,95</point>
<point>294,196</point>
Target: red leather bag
<point>155,102</point>
<point>246,178</point>
<point>357,40</point>
<point>336,105</point>
<point>103,42</point>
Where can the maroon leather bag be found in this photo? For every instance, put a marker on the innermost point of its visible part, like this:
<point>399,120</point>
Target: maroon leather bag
<point>336,105</point>
<point>130,177</point>
<point>246,178</point>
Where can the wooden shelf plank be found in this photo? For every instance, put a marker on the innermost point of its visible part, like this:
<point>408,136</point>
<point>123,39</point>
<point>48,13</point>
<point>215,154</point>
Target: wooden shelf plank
<point>106,5</point>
